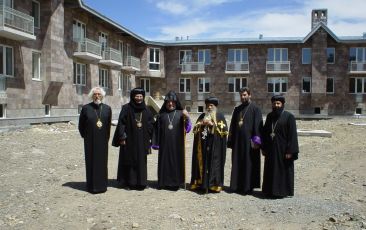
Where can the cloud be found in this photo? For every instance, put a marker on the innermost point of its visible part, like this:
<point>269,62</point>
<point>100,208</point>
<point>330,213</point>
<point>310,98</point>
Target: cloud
<point>172,7</point>
<point>344,18</point>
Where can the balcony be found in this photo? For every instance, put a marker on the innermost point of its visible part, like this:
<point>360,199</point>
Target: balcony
<point>131,64</point>
<point>15,25</point>
<point>88,49</point>
<point>274,67</point>
<point>237,67</point>
<point>357,67</point>
<point>111,57</point>
<point>193,68</point>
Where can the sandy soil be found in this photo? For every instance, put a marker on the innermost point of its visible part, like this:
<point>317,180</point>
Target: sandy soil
<point>42,179</point>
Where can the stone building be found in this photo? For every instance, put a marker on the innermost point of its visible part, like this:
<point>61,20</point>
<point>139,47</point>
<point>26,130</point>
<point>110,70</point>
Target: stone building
<point>54,51</point>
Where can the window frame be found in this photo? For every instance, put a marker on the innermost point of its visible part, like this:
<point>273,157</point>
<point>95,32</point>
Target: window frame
<point>182,59</point>
<point>154,61</point>
<point>38,78</point>
<point>302,85</point>
<point>274,54</point>
<point>243,55</point>
<point>104,78</point>
<point>77,27</point>
<point>206,55</point>
<point>326,86</point>
<point>303,54</point>
<point>5,61</point>
<point>36,23</point>
<point>79,78</point>
<point>356,80</point>
<point>3,111</point>
<point>185,84</point>
<point>205,80</point>
<point>328,55</point>
<point>234,83</point>
<point>274,82</point>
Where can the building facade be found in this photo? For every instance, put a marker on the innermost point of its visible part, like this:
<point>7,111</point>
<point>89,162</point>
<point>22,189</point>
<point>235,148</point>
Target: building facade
<point>54,51</point>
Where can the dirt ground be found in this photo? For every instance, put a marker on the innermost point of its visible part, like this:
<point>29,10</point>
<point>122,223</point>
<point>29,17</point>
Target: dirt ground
<point>42,178</point>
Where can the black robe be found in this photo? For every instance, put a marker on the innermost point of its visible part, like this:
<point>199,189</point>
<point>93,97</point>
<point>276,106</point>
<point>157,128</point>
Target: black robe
<point>171,160</point>
<point>246,163</point>
<point>209,154</point>
<point>96,144</point>
<point>132,162</point>
<point>278,179</point>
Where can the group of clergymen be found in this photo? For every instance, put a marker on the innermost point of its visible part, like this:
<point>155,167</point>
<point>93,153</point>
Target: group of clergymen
<point>138,131</point>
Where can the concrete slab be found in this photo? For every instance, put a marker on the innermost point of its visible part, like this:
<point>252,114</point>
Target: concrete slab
<point>313,133</point>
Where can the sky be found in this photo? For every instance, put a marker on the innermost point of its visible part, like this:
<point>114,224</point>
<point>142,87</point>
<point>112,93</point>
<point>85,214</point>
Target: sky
<point>208,19</point>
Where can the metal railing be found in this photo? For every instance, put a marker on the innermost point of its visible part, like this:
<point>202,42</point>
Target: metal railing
<point>193,67</point>
<point>112,54</point>
<point>357,66</point>
<point>131,61</point>
<point>89,46</point>
<point>278,66</point>
<point>237,66</point>
<point>16,19</point>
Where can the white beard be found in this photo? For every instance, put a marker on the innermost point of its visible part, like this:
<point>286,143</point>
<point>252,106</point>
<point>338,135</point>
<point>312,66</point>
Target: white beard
<point>97,102</point>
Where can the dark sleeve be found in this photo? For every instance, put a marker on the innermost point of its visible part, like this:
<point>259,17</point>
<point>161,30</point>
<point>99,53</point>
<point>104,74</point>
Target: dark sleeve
<point>265,134</point>
<point>109,122</point>
<point>231,136</point>
<point>258,125</point>
<point>156,134</point>
<point>120,132</point>
<point>292,143</point>
<point>150,122</point>
<point>82,122</point>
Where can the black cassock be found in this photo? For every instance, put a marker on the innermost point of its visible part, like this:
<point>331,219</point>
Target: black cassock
<point>209,154</point>
<point>96,144</point>
<point>278,179</point>
<point>132,162</point>
<point>171,160</point>
<point>246,164</point>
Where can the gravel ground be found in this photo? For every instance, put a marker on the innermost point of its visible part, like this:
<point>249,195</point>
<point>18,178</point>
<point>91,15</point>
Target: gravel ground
<point>42,177</point>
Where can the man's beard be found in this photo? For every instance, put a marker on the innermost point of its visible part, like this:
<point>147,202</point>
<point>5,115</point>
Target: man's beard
<point>211,111</point>
<point>277,111</point>
<point>97,101</point>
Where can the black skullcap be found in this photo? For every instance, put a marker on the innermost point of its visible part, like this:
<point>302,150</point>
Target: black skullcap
<point>171,96</point>
<point>280,98</point>
<point>137,91</point>
<point>212,100</point>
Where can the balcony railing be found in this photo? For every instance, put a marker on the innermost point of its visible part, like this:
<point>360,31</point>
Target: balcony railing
<point>15,24</point>
<point>131,63</point>
<point>278,67</point>
<point>237,67</point>
<point>88,49</point>
<point>111,57</point>
<point>193,68</point>
<point>357,67</point>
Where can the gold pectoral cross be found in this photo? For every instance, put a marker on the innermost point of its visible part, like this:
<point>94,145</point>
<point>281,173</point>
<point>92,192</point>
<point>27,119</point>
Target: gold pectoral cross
<point>221,124</point>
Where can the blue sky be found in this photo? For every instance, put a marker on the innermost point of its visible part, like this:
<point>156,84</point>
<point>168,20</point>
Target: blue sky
<point>166,19</point>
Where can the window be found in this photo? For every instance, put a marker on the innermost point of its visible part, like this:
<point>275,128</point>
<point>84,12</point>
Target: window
<point>357,54</point>
<point>306,85</point>
<point>204,56</point>
<point>124,84</point>
<point>357,85</point>
<point>6,61</point>
<point>237,55</point>
<point>277,54</point>
<point>9,3</point>
<point>235,83</point>
<point>103,78</point>
<point>330,55</point>
<point>330,85</point>
<point>2,110</point>
<point>47,110</point>
<point>204,85</point>
<point>78,31</point>
<point>36,66</point>
<point>306,56</point>
<point>36,13</point>
<point>185,56</point>
<point>200,109</point>
<point>103,40</point>
<point>154,63</point>
<point>120,48</point>
<point>184,85</point>
<point>277,84</point>
<point>79,74</point>
<point>120,81</point>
